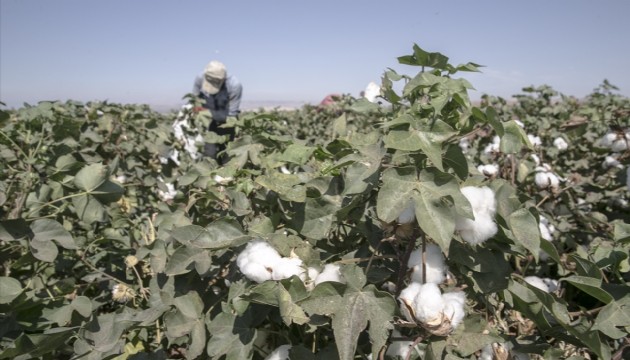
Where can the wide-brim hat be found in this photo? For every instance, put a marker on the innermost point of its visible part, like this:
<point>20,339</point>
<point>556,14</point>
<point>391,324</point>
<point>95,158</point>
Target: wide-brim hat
<point>213,77</point>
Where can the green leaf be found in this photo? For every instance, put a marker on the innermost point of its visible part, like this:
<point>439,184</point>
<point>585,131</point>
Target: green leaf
<point>525,229</point>
<point>290,312</point>
<point>190,305</point>
<point>288,186</point>
<point>425,137</point>
<point>91,177</point>
<point>82,305</point>
<point>89,209</point>
<point>513,139</point>
<point>231,336</point>
<point>613,316</point>
<point>217,235</point>
<point>590,286</point>
<point>297,154</point>
<point>48,230</point>
<point>10,288</point>
<point>197,340</point>
<point>314,218</point>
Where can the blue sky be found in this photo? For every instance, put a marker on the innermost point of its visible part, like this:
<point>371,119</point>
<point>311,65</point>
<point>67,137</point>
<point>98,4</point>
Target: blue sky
<point>149,51</point>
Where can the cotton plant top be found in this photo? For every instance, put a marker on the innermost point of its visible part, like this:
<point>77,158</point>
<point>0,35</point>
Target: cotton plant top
<point>226,102</point>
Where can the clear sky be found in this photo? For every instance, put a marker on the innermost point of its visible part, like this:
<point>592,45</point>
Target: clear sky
<point>149,51</point>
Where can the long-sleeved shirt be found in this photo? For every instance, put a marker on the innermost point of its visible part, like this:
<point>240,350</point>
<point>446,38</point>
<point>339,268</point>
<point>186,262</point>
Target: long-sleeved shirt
<point>226,102</point>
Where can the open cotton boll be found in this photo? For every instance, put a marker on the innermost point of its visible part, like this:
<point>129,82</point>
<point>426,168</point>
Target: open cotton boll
<point>560,144</point>
<point>615,141</point>
<point>280,353</point>
<point>519,123</point>
<point>544,178</point>
<point>483,205</point>
<point>611,161</point>
<point>407,299</point>
<point>493,147</point>
<point>535,140</point>
<point>287,267</point>
<point>537,282</point>
<point>454,307</point>
<point>257,261</point>
<point>436,269</point>
<point>408,214</point>
<point>546,228</point>
<point>535,158</point>
<point>330,273</point>
<point>552,285</point>
<point>372,90</point>
<point>464,144</point>
<point>429,303</point>
<point>398,348</point>
<point>489,169</point>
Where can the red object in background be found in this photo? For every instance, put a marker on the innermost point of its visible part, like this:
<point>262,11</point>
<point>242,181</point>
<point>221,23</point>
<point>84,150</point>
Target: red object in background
<point>330,99</point>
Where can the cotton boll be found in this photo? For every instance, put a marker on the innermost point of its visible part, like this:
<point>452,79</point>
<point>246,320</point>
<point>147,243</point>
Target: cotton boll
<point>287,267</point>
<point>372,90</point>
<point>519,123</point>
<point>464,144</point>
<point>614,141</point>
<point>454,307</point>
<point>436,269</point>
<point>489,169</point>
<point>483,226</point>
<point>487,353</point>
<point>611,161</point>
<point>256,271</point>
<point>407,300</point>
<point>537,282</point>
<point>546,229</point>
<point>552,285</point>
<point>330,273</point>
<point>398,348</point>
<point>535,140</point>
<point>429,303</point>
<point>544,178</point>
<point>535,158</point>
<point>493,147</point>
<point>257,261</point>
<point>280,353</point>
<point>560,144</point>
<point>408,214</point>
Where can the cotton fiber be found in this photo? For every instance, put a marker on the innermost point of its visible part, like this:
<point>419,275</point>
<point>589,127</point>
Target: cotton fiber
<point>483,205</point>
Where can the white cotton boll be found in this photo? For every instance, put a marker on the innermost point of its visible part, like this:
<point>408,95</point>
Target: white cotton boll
<point>454,307</point>
<point>537,282</point>
<point>546,229</point>
<point>535,158</point>
<point>429,303</point>
<point>398,348</point>
<point>544,178</point>
<point>372,90</point>
<point>611,161</point>
<point>615,142</point>
<point>560,144</point>
<point>464,144</point>
<point>519,123</point>
<point>284,170</point>
<point>169,194</point>
<point>436,268</point>
<point>389,286</point>
<point>222,180</point>
<point>489,169</point>
<point>494,146</point>
<point>487,353</point>
<point>121,179</point>
<point>287,267</point>
<point>608,139</point>
<point>552,285</point>
<point>535,140</point>
<point>483,205</point>
<point>280,353</point>
<point>407,299</point>
<point>330,273</point>
<point>257,261</point>
<point>408,214</point>
<point>312,273</point>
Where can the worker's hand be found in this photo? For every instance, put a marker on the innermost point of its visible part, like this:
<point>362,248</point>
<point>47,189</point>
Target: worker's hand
<point>198,109</point>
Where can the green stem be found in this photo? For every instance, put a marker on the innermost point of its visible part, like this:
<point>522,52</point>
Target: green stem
<point>58,199</point>
<point>13,142</point>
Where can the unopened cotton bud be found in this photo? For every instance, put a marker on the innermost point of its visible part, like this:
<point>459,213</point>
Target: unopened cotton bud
<point>131,261</point>
<point>122,293</point>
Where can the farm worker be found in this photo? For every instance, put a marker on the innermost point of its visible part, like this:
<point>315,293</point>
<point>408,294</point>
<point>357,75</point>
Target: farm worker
<point>221,94</point>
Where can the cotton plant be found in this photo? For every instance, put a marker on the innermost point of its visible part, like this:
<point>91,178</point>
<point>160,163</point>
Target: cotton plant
<point>437,312</point>
<point>482,227</point>
<point>260,262</point>
<point>434,265</point>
